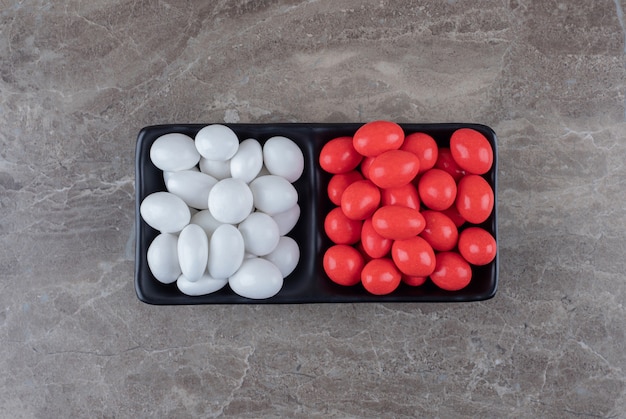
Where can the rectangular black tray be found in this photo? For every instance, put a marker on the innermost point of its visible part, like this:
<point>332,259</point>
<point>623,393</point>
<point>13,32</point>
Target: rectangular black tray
<point>308,283</point>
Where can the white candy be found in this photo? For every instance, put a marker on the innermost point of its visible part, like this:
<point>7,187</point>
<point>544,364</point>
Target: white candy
<point>248,161</point>
<point>163,258</point>
<point>205,220</point>
<point>193,252</point>
<point>257,278</point>
<point>219,169</point>
<point>230,201</point>
<point>285,256</point>
<point>284,158</point>
<point>166,175</point>
<point>205,285</point>
<point>225,180</point>
<point>192,187</point>
<point>165,212</point>
<point>273,194</point>
<point>217,142</point>
<point>260,233</point>
<point>174,152</point>
<point>287,220</point>
<point>226,251</point>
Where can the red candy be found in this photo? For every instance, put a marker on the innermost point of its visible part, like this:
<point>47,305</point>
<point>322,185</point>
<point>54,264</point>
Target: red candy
<point>404,196</point>
<point>446,162</point>
<point>397,223</point>
<point>424,147</point>
<point>440,231</point>
<point>400,202</point>
<point>360,200</point>
<point>373,244</point>
<point>437,189</point>
<point>339,156</point>
<point>474,200</point>
<point>365,166</point>
<point>393,168</point>
<point>454,215</point>
<point>341,229</point>
<point>413,256</point>
<point>343,264</point>
<point>452,272</point>
<point>376,137</point>
<point>477,246</point>
<point>413,281</point>
<point>338,183</point>
<point>471,151</point>
<point>380,276</point>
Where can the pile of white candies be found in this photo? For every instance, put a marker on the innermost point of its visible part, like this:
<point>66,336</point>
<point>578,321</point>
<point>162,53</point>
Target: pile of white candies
<point>226,212</point>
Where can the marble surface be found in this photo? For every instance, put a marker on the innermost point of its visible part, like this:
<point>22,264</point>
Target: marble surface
<point>79,79</point>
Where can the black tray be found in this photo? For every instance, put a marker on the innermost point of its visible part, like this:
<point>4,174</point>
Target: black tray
<point>308,283</point>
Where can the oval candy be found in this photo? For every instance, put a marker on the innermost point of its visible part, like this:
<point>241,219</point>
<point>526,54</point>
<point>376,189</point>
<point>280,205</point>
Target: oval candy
<point>165,212</point>
<point>397,223</point>
<point>230,201</point>
<point>226,251</point>
<point>205,285</point>
<point>393,168</point>
<point>273,194</point>
<point>173,152</point>
<point>257,278</point>
<point>216,142</point>
<point>283,157</point>
<point>163,258</point>
<point>192,187</point>
<point>193,251</point>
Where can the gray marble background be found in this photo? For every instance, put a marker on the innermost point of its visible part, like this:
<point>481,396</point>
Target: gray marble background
<point>79,79</point>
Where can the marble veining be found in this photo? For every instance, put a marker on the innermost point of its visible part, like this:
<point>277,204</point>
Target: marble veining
<point>78,80</point>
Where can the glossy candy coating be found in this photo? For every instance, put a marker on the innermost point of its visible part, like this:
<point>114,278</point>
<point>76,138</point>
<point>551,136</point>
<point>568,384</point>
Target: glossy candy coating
<point>477,246</point>
<point>380,276</point>
<point>454,215</point>
<point>452,272</point>
<point>413,281</point>
<point>376,137</point>
<point>339,182</point>
<point>437,189</point>
<point>471,151</point>
<point>424,147</point>
<point>397,223</point>
<point>341,229</point>
<point>339,156</point>
<point>474,199</point>
<point>393,168</point>
<point>360,200</point>
<point>365,166</point>
<point>373,244</point>
<point>413,256</point>
<point>404,196</point>
<point>343,264</point>
<point>446,162</point>
<point>440,231</point>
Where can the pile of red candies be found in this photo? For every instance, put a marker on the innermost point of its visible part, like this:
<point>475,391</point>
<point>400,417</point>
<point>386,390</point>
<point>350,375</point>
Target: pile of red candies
<point>400,204</point>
